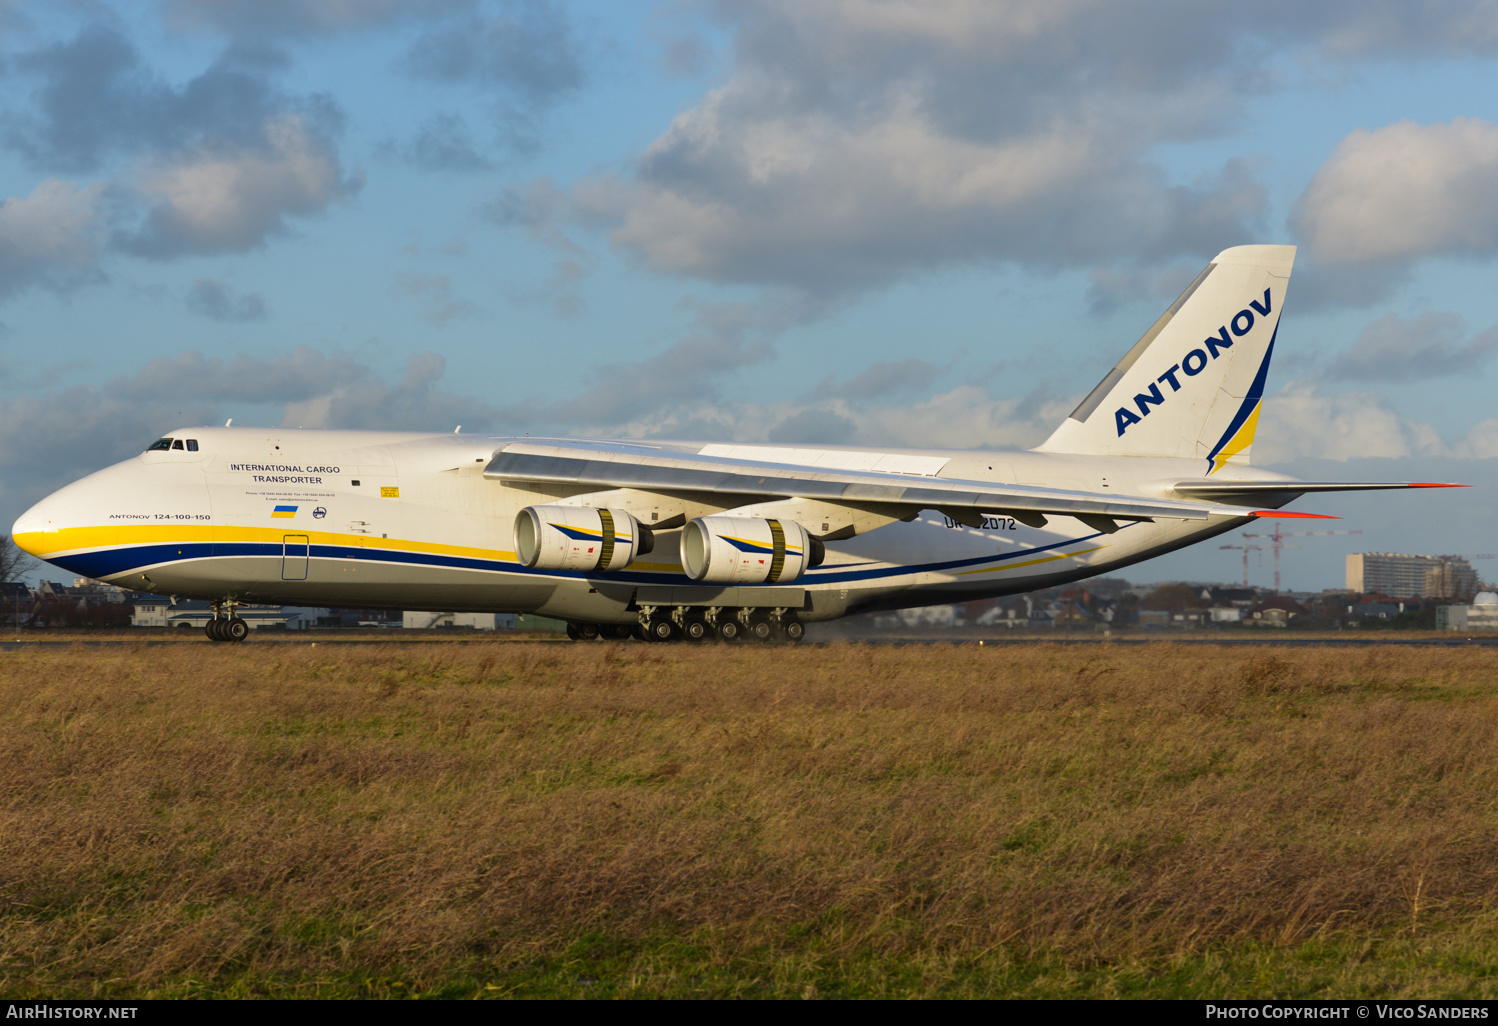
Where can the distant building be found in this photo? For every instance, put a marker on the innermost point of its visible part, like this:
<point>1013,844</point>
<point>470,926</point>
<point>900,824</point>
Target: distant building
<point>161,611</point>
<point>1404,576</point>
<point>473,621</point>
<point>1481,615</point>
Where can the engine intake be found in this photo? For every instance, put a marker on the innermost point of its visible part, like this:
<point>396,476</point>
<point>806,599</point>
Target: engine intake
<point>579,538</point>
<point>747,550</point>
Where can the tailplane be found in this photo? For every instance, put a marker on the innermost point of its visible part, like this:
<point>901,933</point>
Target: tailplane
<point>1193,385</point>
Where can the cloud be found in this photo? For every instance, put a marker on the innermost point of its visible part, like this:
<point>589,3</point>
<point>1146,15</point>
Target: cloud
<point>191,377</point>
<point>887,377</point>
<point>414,403</point>
<point>683,373</point>
<point>435,292</point>
<point>522,59</point>
<point>213,299</point>
<point>297,18</point>
<point>1110,288</point>
<point>444,143</point>
<point>1301,422</point>
<point>529,51</point>
<point>96,99</point>
<point>1398,349</point>
<point>51,238</point>
<point>1403,192</point>
<point>228,202</point>
<point>216,165</point>
<point>860,141</point>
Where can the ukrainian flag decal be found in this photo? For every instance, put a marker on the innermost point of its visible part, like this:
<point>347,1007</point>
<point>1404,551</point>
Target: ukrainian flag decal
<point>284,511</point>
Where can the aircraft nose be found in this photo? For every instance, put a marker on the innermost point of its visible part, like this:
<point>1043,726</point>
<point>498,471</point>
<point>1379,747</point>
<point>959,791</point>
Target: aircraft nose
<point>30,530</point>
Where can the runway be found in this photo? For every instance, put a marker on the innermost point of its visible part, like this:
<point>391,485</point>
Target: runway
<point>1348,639</point>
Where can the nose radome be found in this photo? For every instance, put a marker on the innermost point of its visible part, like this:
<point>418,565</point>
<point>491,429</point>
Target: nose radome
<point>30,530</point>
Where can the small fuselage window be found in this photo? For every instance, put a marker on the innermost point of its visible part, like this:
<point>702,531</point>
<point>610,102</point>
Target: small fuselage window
<point>160,443</point>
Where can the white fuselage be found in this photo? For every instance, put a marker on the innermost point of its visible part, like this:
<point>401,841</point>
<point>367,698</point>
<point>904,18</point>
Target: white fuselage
<point>409,521</point>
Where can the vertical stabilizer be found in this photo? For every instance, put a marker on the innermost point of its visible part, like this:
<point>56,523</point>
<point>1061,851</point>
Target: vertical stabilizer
<point>1193,385</point>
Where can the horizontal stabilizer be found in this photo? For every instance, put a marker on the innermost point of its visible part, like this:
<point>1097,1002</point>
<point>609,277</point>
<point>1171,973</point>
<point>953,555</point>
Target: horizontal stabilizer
<point>1275,514</point>
<point>592,465</point>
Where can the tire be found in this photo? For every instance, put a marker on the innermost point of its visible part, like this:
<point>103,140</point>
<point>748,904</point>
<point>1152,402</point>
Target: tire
<point>695,630</point>
<point>795,631</point>
<point>235,629</point>
<point>588,631</point>
<point>761,630</point>
<point>660,630</point>
<point>617,631</point>
<point>212,629</point>
<point>729,630</point>
<point>573,634</point>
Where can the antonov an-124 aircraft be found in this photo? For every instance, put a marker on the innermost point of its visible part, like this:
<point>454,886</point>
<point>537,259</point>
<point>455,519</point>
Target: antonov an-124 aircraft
<point>691,540</point>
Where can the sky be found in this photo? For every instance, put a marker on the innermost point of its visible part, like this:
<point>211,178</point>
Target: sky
<point>816,221</point>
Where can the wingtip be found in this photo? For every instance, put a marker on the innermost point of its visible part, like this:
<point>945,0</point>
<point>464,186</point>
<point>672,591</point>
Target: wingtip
<point>1436,484</point>
<point>1272,513</point>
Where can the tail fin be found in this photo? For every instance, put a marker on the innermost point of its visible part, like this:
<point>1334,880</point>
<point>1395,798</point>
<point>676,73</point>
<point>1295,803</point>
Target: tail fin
<point>1192,386</point>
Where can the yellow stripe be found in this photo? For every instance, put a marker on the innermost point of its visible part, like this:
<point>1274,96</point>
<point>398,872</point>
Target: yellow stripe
<point>1032,562</point>
<point>1242,440</point>
<point>78,539</point>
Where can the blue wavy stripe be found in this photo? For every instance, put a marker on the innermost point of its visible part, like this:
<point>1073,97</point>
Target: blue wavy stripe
<point>1255,393</point>
<point>108,562</point>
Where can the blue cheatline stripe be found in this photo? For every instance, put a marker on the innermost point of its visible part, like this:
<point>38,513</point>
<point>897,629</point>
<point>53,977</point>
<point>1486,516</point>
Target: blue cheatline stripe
<point>107,562</point>
<point>578,533</point>
<point>1255,393</point>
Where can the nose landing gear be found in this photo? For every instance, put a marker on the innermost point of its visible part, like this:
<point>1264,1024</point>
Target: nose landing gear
<point>226,628</point>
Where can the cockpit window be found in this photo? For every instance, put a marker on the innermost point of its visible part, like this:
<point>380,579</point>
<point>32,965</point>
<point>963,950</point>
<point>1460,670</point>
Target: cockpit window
<point>192,445</point>
<point>178,444</point>
<point>160,443</point>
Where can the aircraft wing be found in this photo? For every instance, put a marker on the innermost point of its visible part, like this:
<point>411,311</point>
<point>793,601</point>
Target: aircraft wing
<point>600,465</point>
<point>1215,488</point>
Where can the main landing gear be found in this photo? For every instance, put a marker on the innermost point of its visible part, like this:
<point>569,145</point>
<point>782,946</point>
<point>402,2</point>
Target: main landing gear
<point>226,625</point>
<point>699,624</point>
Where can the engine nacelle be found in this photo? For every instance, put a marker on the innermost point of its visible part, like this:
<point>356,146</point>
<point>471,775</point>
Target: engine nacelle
<point>747,550</point>
<point>579,538</point>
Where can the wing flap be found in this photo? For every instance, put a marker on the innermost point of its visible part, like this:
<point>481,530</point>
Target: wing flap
<point>625,465</point>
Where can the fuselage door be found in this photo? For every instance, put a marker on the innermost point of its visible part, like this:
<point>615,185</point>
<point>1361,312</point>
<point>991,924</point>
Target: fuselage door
<point>295,548</point>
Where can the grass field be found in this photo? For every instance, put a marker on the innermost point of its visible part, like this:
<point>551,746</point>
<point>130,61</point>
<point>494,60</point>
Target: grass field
<point>499,819</point>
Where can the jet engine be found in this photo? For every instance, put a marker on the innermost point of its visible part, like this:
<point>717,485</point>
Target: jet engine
<point>579,538</point>
<point>747,550</point>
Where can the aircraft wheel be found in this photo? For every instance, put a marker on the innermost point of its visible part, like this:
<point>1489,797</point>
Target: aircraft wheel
<point>235,629</point>
<point>795,630</point>
<point>212,630</point>
<point>729,630</point>
<point>761,630</point>
<point>573,634</point>
<point>588,631</point>
<point>637,631</point>
<point>616,631</point>
<point>660,630</point>
<point>695,630</point>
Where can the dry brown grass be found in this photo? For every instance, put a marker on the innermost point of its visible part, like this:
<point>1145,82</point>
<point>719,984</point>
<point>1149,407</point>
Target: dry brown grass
<point>1019,819</point>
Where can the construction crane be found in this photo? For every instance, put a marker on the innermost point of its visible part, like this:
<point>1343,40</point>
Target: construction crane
<point>1246,550</point>
<point>1277,542</point>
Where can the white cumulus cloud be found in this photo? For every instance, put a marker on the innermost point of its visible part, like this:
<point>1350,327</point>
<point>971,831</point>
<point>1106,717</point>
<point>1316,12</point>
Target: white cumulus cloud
<point>1405,191</point>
